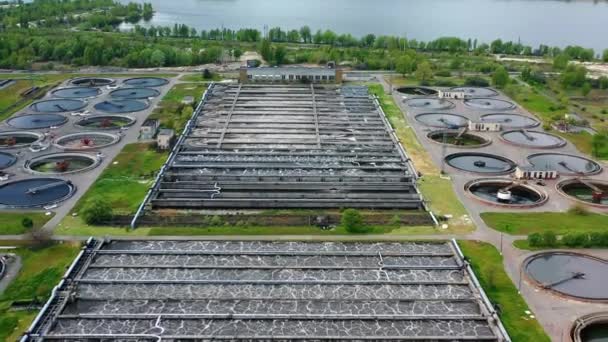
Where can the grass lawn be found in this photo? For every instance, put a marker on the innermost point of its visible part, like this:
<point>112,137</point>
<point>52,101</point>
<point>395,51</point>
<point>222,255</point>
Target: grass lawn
<point>488,266</point>
<point>170,110</point>
<point>198,77</point>
<point>124,183</point>
<point>10,222</point>
<point>560,223</point>
<point>42,269</point>
<point>437,191</point>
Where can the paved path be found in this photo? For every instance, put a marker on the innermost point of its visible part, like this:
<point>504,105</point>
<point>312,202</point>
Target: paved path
<point>12,270</point>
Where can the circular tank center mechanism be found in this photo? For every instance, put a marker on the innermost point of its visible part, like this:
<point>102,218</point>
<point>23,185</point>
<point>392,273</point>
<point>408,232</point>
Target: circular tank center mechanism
<point>513,121</point>
<point>106,122</point>
<point>430,103</point>
<point>121,106</point>
<point>35,192</point>
<point>6,160</point>
<point>489,104</point>
<point>58,105</point>
<point>533,139</point>
<point>146,82</point>
<point>442,120</point>
<point>17,139</point>
<point>570,274</point>
<point>588,191</point>
<point>134,93</point>
<point>476,91</point>
<point>482,163</point>
<point>37,121</point>
<point>505,192</point>
<point>76,92</point>
<point>565,164</point>
<point>62,163</point>
<point>92,82</point>
<point>413,90</point>
<point>86,141</point>
<point>459,138</point>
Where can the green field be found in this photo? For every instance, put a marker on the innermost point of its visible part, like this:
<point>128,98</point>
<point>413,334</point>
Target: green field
<point>488,266</point>
<point>41,271</point>
<point>559,223</point>
<point>10,222</point>
<point>171,112</point>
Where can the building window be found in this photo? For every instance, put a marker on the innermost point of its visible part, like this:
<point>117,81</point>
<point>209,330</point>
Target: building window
<point>250,77</point>
<point>291,77</point>
<point>331,78</point>
<point>297,77</point>
<point>318,78</point>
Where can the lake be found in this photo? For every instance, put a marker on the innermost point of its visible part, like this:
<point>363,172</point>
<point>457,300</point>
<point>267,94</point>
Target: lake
<point>551,22</point>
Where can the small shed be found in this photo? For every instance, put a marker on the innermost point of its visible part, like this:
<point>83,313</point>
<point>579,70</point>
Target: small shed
<point>148,129</point>
<point>164,139</point>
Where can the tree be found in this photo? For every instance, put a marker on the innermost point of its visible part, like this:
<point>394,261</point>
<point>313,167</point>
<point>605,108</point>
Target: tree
<point>352,221</point>
<point>157,58</point>
<point>560,62</point>
<point>96,211</point>
<point>424,72</point>
<point>603,82</point>
<point>586,89</point>
<point>306,35</point>
<point>279,55</point>
<point>27,223</point>
<point>500,77</point>
<point>549,239</point>
<point>405,65</point>
<point>605,55</point>
<point>266,50</point>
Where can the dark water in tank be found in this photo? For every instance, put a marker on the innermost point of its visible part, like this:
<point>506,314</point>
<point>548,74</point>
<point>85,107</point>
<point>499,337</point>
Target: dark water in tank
<point>442,120</point>
<point>134,93</point>
<point>37,121</point>
<point>18,193</point>
<point>480,163</point>
<point>511,120</point>
<point>121,106</point>
<point>564,164</point>
<point>595,333</point>
<point>489,104</point>
<point>6,160</point>
<point>519,195</point>
<point>146,82</point>
<point>429,103</point>
<point>77,92</point>
<point>532,138</point>
<point>58,105</point>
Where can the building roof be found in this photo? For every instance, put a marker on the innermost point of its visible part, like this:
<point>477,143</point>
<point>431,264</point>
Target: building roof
<point>166,131</point>
<point>150,122</point>
<point>253,290</point>
<point>266,71</point>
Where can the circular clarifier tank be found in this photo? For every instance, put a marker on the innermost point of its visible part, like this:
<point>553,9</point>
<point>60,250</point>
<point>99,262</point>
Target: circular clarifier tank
<point>457,139</point>
<point>442,120</point>
<point>146,82</point>
<point>134,93</point>
<point>86,141</point>
<point>6,160</point>
<point>58,105</point>
<point>565,164</point>
<point>533,139</point>
<point>430,103</point>
<point>513,121</point>
<point>476,91</point>
<point>35,192</point>
<point>591,328</point>
<point>37,121</point>
<point>413,90</point>
<point>121,106</point>
<point>481,163</point>
<point>587,191</point>
<point>17,139</point>
<point>569,274</point>
<point>106,122</point>
<point>92,81</point>
<point>62,163</point>
<point>505,192</point>
<point>76,92</point>
<point>489,104</point>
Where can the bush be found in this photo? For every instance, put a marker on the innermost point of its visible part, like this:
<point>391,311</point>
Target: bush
<point>476,81</point>
<point>535,240</point>
<point>578,210</point>
<point>445,83</point>
<point>549,239</point>
<point>575,240</point>
<point>27,223</point>
<point>96,211</point>
<point>352,221</point>
<point>443,73</point>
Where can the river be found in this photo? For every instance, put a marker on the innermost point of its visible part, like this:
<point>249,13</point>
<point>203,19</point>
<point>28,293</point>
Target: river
<point>551,22</point>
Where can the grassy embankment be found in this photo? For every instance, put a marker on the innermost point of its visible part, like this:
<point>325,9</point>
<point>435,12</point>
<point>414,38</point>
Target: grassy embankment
<point>488,266</point>
<point>10,222</point>
<point>41,270</point>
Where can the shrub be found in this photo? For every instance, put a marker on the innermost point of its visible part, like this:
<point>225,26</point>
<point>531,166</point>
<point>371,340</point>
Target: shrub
<point>352,221</point>
<point>27,223</point>
<point>535,240</point>
<point>216,221</point>
<point>476,81</point>
<point>578,210</point>
<point>549,239</point>
<point>96,211</point>
<point>443,73</point>
<point>576,240</point>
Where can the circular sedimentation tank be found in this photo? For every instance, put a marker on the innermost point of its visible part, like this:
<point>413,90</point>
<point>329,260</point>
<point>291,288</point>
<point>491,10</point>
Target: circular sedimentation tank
<point>414,90</point>
<point>62,163</point>
<point>590,328</point>
<point>565,164</point>
<point>58,105</point>
<point>134,93</point>
<point>121,106</point>
<point>76,92</point>
<point>456,139</point>
<point>513,121</point>
<point>586,191</point>
<point>442,120</point>
<point>489,104</point>
<point>35,192</point>
<point>146,82</point>
<point>568,274</point>
<point>505,192</point>
<point>476,91</point>
<point>86,141</point>
<point>17,139</point>
<point>482,163</point>
<point>7,160</point>
<point>37,121</point>
<point>92,81</point>
<point>106,122</point>
<point>430,103</point>
<point>533,139</point>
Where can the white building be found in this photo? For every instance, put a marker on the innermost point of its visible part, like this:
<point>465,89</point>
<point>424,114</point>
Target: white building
<point>524,172</point>
<point>485,126</point>
<point>456,95</point>
<point>164,139</point>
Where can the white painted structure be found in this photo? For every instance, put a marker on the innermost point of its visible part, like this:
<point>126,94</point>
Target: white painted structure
<point>456,95</point>
<point>485,126</point>
<point>531,173</point>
